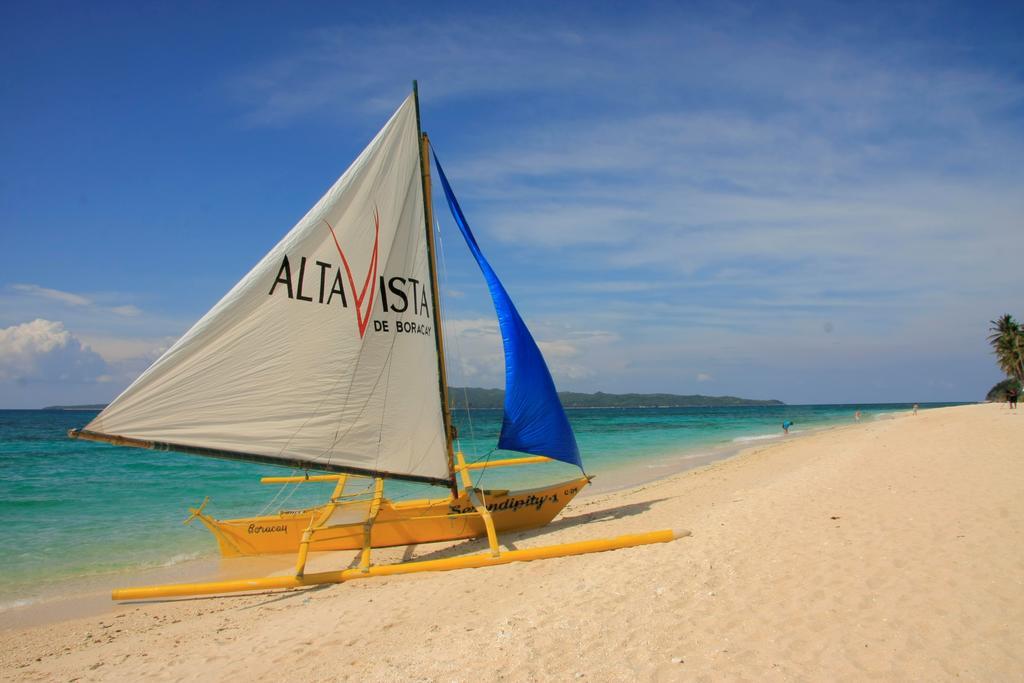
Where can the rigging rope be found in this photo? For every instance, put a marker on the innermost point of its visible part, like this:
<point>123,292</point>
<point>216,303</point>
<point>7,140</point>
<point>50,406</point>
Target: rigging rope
<point>450,334</point>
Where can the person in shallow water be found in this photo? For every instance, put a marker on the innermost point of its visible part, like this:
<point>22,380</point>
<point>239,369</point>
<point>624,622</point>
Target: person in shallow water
<point>786,425</point>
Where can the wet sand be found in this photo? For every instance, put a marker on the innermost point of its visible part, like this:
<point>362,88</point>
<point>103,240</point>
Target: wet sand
<point>886,550</point>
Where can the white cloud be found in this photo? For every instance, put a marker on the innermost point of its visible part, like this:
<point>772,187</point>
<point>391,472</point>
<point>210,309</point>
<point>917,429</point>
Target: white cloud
<point>474,351</point>
<point>118,350</point>
<point>331,66</point>
<point>704,377</point>
<point>94,303</point>
<point>55,294</point>
<point>476,356</point>
<point>42,362</point>
<point>558,349</point>
<point>128,311</point>
<point>97,349</point>
<point>43,351</point>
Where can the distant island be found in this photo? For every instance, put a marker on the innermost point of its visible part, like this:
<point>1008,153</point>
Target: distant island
<point>494,399</point>
<point>85,406</point>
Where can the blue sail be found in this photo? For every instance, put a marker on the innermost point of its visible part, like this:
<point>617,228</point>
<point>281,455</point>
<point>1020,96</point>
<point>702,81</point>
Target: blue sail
<point>534,420</point>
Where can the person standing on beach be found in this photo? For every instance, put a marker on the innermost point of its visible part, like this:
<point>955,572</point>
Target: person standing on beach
<point>786,425</point>
<point>1011,397</point>
<point>856,416</point>
<point>915,409</point>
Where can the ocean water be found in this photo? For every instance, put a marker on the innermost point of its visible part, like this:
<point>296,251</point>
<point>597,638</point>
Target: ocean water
<point>74,509</point>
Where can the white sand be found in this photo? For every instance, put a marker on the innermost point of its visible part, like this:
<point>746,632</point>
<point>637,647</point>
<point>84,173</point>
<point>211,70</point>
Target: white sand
<point>889,550</point>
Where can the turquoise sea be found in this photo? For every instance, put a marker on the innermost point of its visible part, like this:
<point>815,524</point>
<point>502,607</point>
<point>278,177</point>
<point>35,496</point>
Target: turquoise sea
<point>73,509</point>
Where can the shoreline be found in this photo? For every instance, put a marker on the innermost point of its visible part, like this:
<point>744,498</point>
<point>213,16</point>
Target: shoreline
<point>89,595</point>
<point>886,549</point>
<point>680,462</point>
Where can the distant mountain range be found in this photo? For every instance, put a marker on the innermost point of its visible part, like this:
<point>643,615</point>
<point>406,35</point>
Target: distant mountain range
<point>494,399</point>
<point>85,406</point>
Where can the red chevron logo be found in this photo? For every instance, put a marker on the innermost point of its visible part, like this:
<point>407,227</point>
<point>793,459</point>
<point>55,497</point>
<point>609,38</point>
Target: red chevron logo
<point>367,292</point>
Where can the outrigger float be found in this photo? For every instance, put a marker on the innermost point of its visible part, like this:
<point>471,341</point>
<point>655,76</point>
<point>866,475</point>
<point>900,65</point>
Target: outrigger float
<point>309,364</point>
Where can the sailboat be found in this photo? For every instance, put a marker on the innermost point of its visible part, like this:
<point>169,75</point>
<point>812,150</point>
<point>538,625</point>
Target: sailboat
<point>328,356</point>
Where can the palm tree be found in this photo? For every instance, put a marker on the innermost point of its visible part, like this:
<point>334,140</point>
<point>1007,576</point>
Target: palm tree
<point>1007,340</point>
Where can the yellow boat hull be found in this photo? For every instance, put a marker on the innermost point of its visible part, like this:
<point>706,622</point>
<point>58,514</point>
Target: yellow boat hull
<point>396,523</point>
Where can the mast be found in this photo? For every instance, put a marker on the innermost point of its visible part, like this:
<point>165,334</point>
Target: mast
<point>428,214</point>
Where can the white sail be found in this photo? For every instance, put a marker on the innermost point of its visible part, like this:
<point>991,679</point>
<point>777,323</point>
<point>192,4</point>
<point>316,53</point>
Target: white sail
<point>324,354</point>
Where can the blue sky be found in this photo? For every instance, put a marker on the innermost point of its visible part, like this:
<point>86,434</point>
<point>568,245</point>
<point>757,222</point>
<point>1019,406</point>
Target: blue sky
<point>815,203</point>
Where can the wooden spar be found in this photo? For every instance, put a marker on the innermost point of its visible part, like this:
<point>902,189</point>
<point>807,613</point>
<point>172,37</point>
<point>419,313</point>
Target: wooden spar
<point>301,479</point>
<point>446,564</point>
<point>371,517</point>
<point>460,467</point>
<point>428,214</point>
<point>316,522</point>
<point>476,497</point>
<point>117,440</point>
<point>509,462</point>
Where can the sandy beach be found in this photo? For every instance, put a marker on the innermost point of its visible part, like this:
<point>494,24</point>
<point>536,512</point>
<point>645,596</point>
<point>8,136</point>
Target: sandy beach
<point>885,550</point>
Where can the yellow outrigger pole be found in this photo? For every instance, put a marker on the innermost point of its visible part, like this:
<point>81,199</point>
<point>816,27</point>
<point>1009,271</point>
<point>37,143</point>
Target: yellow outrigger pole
<point>447,564</point>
